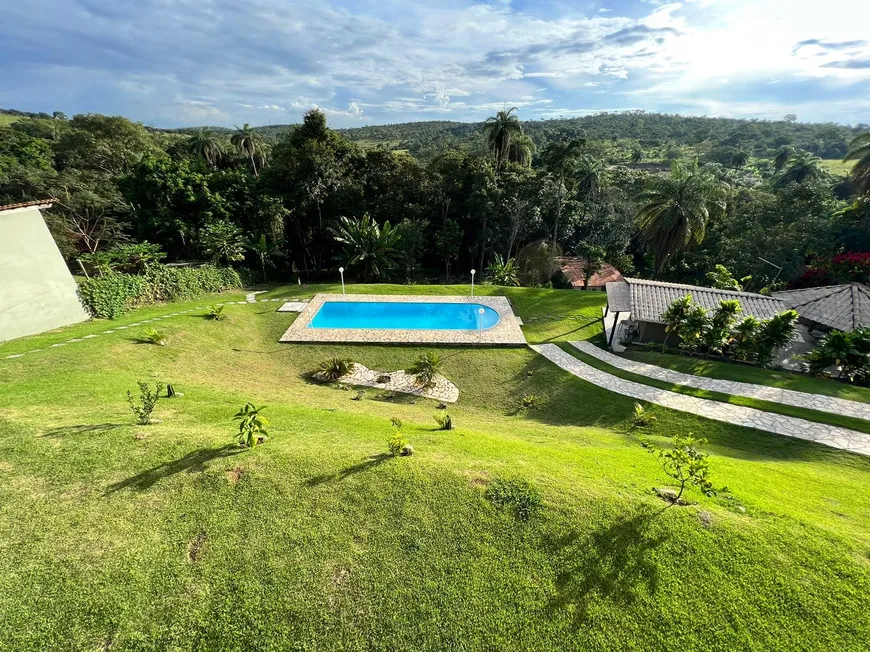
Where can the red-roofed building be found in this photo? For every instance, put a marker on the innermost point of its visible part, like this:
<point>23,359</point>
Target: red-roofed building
<point>573,269</point>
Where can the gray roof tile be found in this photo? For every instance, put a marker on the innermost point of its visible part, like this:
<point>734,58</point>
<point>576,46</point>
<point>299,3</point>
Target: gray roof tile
<point>647,300</point>
<point>844,307</point>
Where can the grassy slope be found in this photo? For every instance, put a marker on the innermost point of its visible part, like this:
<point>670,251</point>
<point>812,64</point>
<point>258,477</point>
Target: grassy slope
<point>324,544</point>
<point>748,374</point>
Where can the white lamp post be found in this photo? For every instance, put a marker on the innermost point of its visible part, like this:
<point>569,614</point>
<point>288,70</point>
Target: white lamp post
<point>480,321</point>
<point>341,271</point>
<point>472,282</point>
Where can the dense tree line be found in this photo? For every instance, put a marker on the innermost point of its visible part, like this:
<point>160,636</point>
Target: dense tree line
<point>311,199</point>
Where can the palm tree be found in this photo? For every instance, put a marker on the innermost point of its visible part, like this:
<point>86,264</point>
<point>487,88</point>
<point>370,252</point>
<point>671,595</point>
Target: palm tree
<point>739,160</point>
<point>859,150</point>
<point>207,145</point>
<point>371,247</point>
<point>782,157</point>
<point>675,210</point>
<point>802,167</point>
<point>521,149</point>
<point>499,131</point>
<point>263,250</point>
<point>249,143</point>
<point>636,154</point>
<point>589,175</point>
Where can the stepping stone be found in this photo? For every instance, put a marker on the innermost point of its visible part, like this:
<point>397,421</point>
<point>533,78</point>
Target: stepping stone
<point>54,346</point>
<point>14,355</point>
<point>91,336</point>
<point>293,306</point>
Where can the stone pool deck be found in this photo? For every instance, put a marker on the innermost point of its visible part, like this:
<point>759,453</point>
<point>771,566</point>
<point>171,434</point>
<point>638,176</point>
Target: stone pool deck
<point>506,333</point>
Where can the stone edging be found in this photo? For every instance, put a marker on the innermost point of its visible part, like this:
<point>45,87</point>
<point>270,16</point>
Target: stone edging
<point>401,381</point>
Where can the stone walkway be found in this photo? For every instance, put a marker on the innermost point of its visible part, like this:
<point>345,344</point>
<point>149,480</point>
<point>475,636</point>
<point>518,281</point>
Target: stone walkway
<point>762,392</point>
<point>250,298</point>
<point>850,440</point>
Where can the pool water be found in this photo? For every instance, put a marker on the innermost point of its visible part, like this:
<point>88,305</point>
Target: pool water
<point>404,315</point>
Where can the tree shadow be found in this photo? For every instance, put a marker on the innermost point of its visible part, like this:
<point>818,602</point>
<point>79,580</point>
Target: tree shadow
<point>613,563</point>
<point>369,463</point>
<point>64,431</point>
<point>558,337</point>
<point>192,462</point>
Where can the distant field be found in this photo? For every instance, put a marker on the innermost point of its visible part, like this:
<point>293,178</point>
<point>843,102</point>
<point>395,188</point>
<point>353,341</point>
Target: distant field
<point>836,166</point>
<point>6,119</point>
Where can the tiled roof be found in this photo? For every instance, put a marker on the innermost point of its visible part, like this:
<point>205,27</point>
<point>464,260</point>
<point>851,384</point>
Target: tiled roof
<point>26,204</point>
<point>573,268</point>
<point>844,307</point>
<point>647,300</point>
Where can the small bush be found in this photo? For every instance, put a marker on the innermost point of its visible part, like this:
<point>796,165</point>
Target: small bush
<point>147,400</point>
<point>444,421</point>
<point>359,395</point>
<point>334,368</point>
<point>426,369</point>
<point>112,294</point>
<point>530,401</point>
<point>396,422</point>
<point>217,313</point>
<point>684,463</point>
<point>642,416</point>
<point>396,443</point>
<point>252,425</point>
<point>154,336</point>
<point>517,495</point>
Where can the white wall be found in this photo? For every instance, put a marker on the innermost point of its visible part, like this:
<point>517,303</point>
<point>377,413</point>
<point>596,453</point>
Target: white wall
<point>37,292</point>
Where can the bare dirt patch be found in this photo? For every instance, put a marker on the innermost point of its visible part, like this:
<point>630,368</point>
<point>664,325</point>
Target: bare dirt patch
<point>234,475</point>
<point>194,548</point>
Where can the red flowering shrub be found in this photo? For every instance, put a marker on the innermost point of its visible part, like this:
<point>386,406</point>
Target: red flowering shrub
<point>848,267</point>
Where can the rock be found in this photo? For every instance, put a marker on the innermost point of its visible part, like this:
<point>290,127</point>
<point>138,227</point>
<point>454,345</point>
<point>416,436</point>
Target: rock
<point>442,406</point>
<point>741,509</point>
<point>666,494</point>
<point>384,378</point>
<point>407,450</point>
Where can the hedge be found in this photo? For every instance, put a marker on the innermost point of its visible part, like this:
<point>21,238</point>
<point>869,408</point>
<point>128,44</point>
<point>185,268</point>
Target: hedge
<point>113,293</point>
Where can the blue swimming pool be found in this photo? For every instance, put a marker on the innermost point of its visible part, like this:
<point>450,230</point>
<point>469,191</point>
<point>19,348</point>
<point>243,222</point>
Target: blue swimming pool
<point>404,315</point>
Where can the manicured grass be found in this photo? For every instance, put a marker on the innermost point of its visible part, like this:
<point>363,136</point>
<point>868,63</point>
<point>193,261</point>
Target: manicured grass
<point>838,166</point>
<point>6,119</point>
<point>316,540</point>
<point>749,374</point>
<point>768,406</point>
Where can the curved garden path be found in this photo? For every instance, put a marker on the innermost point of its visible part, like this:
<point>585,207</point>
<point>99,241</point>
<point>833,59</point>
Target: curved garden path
<point>833,436</point>
<point>773,394</point>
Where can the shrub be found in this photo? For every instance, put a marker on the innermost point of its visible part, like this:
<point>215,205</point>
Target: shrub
<point>147,400</point>
<point>217,312</point>
<point>113,294</point>
<point>529,401</point>
<point>444,421</point>
<point>154,336</point>
<point>396,443</point>
<point>848,352</point>
<point>334,368</point>
<point>503,272</point>
<point>396,422</point>
<point>126,258</point>
<point>642,416</point>
<point>426,369</point>
<point>560,281</point>
<point>684,463</point>
<point>252,425</point>
<point>517,495</point>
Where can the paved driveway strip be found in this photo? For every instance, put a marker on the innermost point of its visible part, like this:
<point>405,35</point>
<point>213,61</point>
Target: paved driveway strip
<point>818,402</point>
<point>833,436</point>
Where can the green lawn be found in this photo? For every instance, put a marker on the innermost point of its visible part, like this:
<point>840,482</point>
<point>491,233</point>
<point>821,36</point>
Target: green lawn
<point>837,166</point>
<point>125,537</point>
<point>748,374</point>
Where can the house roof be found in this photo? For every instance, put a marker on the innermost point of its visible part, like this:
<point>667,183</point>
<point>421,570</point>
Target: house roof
<point>39,203</point>
<point>844,307</point>
<point>647,300</point>
<point>573,269</point>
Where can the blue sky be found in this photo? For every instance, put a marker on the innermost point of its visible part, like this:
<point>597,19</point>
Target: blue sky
<point>225,62</point>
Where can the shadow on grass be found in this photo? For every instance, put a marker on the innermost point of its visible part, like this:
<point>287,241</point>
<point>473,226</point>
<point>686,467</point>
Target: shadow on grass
<point>613,564</point>
<point>64,431</point>
<point>558,337</point>
<point>365,465</point>
<point>193,462</point>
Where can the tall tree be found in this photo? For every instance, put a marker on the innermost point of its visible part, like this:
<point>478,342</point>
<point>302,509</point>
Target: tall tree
<point>675,211</point>
<point>559,159</point>
<point>208,146</point>
<point>801,168</point>
<point>367,246</point>
<point>500,132</point>
<point>859,150</point>
<point>249,143</point>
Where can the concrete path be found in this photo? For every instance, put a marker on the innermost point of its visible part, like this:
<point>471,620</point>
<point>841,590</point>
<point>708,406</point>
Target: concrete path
<point>833,436</point>
<point>772,394</point>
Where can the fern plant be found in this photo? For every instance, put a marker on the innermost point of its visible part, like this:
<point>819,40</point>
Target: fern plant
<point>530,400</point>
<point>252,425</point>
<point>642,416</point>
<point>154,336</point>
<point>147,400</point>
<point>425,369</point>
<point>334,368</point>
<point>217,313</point>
